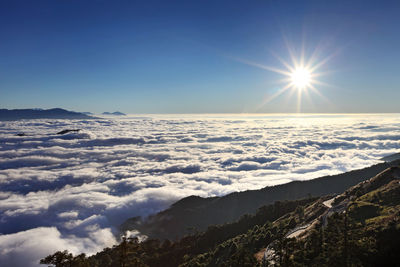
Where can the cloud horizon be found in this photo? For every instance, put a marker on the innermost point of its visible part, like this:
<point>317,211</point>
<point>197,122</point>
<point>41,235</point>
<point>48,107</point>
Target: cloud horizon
<point>72,191</point>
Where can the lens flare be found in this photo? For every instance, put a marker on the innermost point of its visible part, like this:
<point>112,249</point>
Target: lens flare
<point>300,75</point>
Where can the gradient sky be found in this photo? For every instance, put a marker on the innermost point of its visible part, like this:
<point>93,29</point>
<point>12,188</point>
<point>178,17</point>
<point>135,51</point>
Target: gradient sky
<point>187,56</point>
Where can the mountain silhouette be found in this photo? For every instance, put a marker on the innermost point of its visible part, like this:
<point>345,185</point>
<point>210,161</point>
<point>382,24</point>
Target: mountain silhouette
<point>54,113</point>
<point>116,113</point>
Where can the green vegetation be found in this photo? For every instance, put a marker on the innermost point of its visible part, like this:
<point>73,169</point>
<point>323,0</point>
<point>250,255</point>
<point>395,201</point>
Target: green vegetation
<point>361,229</point>
<point>196,213</point>
<point>239,239</point>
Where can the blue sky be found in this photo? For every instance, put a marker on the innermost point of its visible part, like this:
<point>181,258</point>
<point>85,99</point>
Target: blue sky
<point>187,56</point>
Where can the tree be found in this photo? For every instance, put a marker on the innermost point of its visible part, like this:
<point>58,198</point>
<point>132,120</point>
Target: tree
<point>300,212</point>
<point>59,259</point>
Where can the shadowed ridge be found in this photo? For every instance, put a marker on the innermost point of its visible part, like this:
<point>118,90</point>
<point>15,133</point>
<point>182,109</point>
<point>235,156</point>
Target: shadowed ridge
<point>391,158</point>
<point>196,213</point>
<point>54,113</point>
<point>353,228</point>
<point>382,178</point>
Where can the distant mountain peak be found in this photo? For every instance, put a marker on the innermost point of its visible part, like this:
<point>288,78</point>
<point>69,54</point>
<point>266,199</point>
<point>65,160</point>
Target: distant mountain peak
<point>115,113</point>
<point>35,113</point>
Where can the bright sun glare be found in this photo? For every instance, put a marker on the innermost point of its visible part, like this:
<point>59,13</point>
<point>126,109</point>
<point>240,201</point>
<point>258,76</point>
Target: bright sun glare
<point>301,78</point>
<point>300,75</point>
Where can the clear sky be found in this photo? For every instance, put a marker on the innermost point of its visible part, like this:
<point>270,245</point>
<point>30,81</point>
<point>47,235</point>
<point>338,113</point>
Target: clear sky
<point>188,56</point>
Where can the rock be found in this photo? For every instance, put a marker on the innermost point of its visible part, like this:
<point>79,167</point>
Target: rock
<point>68,131</point>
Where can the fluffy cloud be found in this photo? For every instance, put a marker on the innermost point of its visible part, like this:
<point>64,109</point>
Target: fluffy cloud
<point>23,248</point>
<point>71,191</point>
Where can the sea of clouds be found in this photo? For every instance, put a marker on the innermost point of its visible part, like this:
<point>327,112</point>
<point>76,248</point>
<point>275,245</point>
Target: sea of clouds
<point>71,191</point>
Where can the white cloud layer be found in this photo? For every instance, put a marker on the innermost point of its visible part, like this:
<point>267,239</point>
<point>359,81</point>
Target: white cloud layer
<point>71,191</point>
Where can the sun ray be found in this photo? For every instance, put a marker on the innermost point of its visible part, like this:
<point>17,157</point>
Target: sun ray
<point>324,61</point>
<point>324,84</point>
<point>315,90</point>
<point>299,73</point>
<point>309,99</point>
<point>302,55</point>
<point>275,95</point>
<point>313,59</point>
<point>286,64</point>
<point>321,63</point>
<point>261,66</point>
<point>299,93</point>
<point>291,52</point>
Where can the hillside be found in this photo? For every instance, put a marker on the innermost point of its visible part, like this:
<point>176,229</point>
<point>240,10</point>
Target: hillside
<point>360,227</point>
<point>196,213</point>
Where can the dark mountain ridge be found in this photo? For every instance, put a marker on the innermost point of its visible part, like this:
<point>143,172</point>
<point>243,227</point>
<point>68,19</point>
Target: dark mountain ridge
<point>359,227</point>
<point>196,214</point>
<point>116,113</point>
<point>54,113</point>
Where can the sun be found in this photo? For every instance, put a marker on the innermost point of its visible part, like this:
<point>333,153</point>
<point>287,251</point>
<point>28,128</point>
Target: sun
<point>300,78</point>
<point>300,75</point>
